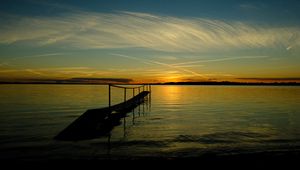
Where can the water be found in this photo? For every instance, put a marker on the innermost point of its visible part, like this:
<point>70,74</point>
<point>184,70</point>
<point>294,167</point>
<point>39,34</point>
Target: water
<point>179,121</point>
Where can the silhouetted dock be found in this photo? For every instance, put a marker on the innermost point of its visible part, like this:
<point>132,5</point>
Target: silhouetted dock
<point>99,122</point>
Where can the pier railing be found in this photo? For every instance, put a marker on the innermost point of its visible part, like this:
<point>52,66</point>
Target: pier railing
<point>144,87</point>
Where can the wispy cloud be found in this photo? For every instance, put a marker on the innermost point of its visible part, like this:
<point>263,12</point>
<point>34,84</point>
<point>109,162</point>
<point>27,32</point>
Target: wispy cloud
<point>4,64</point>
<point>99,80</point>
<point>9,73</point>
<point>188,66</point>
<point>37,56</point>
<point>218,60</point>
<point>37,73</point>
<point>268,79</point>
<point>130,29</point>
<point>59,72</point>
<point>178,68</point>
<point>11,61</point>
<point>248,6</point>
<point>294,78</point>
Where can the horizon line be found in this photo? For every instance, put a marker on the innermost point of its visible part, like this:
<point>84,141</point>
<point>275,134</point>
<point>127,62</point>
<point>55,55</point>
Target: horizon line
<point>157,83</point>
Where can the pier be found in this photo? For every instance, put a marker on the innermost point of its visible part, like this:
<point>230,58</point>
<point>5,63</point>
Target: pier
<point>99,122</point>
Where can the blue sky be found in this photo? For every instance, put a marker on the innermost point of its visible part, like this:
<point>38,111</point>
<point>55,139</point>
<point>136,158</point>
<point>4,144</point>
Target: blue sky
<point>272,11</point>
<point>154,41</point>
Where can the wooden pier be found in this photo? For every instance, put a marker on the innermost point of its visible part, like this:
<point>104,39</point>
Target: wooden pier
<point>99,122</point>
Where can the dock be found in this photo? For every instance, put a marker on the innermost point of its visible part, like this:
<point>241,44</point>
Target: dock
<point>99,122</point>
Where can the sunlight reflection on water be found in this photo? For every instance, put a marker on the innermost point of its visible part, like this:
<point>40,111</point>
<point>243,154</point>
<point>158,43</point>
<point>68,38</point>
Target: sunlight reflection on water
<point>182,121</point>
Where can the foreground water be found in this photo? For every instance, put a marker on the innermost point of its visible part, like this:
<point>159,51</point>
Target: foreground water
<point>178,122</point>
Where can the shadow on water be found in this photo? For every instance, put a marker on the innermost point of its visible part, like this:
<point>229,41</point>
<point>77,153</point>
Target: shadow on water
<point>95,123</point>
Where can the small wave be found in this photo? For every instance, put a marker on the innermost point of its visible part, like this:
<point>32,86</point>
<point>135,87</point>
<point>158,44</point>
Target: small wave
<point>201,139</point>
<point>156,118</point>
<point>281,141</point>
<point>135,143</point>
<point>217,138</point>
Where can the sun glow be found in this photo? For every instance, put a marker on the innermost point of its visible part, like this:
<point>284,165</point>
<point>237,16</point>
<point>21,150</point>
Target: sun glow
<point>171,79</point>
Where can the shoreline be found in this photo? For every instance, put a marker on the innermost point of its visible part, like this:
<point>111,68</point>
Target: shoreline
<point>162,84</point>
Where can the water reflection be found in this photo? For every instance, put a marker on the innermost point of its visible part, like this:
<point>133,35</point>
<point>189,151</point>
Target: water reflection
<point>184,121</point>
<point>171,94</point>
<point>126,125</point>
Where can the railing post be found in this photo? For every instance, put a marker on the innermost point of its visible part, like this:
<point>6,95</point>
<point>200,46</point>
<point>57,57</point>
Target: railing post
<point>132,92</point>
<point>143,87</point>
<point>139,90</point>
<point>124,94</point>
<point>149,98</point>
<point>109,95</point>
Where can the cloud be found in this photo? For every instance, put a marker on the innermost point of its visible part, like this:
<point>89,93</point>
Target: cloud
<point>187,64</point>
<point>248,6</point>
<point>37,73</point>
<point>111,80</point>
<point>182,70</point>
<point>71,80</point>
<point>78,73</point>
<point>130,29</point>
<point>68,68</point>
<point>38,56</point>
<point>4,64</point>
<point>59,72</point>
<point>266,79</point>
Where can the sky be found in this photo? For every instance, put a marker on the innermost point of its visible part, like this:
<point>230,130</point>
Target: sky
<point>129,41</point>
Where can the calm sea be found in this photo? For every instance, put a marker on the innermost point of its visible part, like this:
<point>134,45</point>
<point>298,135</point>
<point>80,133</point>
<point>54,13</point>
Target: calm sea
<point>179,121</point>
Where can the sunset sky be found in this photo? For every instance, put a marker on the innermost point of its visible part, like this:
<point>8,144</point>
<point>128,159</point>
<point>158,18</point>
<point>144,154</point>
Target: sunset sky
<point>150,41</point>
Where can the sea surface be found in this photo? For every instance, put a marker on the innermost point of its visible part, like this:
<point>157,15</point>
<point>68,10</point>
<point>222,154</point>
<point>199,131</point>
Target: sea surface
<point>176,122</point>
